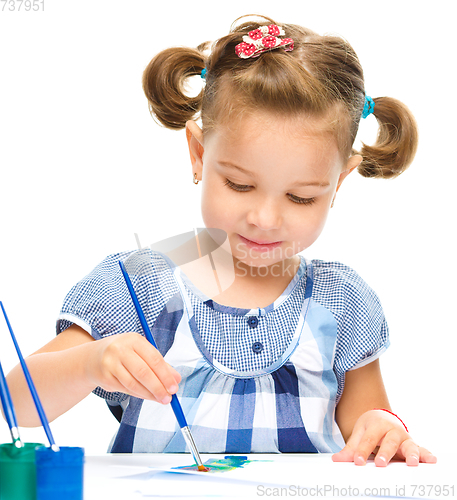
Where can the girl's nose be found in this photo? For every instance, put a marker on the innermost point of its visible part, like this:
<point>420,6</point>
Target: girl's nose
<point>265,215</point>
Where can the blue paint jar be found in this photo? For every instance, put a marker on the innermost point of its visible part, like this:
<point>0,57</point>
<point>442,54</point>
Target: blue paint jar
<point>59,474</point>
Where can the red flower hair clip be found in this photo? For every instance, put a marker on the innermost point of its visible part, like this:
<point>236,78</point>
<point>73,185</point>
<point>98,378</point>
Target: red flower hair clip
<point>262,39</point>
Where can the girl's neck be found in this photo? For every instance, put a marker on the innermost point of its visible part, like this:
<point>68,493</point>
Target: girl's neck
<point>256,290</point>
<point>248,288</point>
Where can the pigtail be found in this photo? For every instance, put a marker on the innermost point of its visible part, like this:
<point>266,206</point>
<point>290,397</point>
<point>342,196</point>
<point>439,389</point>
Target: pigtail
<point>396,143</point>
<point>164,83</point>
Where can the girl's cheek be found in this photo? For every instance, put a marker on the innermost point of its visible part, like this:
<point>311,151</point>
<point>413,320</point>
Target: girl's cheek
<point>309,225</point>
<point>215,211</point>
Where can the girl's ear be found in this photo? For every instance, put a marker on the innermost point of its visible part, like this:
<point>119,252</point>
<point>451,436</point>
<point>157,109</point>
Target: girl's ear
<point>352,164</point>
<point>194,137</point>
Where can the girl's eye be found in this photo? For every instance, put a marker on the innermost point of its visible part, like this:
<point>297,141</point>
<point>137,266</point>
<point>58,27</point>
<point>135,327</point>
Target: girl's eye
<point>295,199</point>
<point>236,187</point>
<point>301,201</point>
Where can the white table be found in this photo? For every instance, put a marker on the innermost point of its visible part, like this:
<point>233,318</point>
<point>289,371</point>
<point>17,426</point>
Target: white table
<point>135,476</point>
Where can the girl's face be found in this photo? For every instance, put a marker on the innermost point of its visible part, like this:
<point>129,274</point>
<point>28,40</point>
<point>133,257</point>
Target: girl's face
<point>268,183</point>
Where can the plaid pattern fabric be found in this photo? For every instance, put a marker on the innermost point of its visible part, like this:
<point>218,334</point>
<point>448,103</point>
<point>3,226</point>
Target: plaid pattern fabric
<point>253,380</point>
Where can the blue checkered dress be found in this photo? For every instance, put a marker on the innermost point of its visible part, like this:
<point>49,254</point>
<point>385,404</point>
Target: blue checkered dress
<point>263,380</point>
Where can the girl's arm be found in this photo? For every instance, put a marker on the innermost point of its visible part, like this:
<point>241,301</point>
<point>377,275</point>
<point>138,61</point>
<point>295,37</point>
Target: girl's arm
<point>73,364</point>
<point>364,428</point>
<point>363,391</point>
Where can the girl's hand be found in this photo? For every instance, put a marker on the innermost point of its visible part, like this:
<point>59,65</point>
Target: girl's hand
<point>128,363</point>
<point>379,428</point>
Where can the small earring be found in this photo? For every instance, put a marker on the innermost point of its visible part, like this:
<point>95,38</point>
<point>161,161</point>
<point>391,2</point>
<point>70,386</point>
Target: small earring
<point>195,178</point>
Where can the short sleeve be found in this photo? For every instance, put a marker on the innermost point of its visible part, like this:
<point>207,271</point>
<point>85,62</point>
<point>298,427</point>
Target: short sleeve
<point>362,330</point>
<point>101,304</point>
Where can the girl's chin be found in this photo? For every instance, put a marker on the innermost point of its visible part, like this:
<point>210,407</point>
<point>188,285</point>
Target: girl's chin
<point>266,266</point>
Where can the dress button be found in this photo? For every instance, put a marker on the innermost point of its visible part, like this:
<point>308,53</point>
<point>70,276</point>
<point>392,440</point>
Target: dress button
<point>257,347</point>
<point>253,322</point>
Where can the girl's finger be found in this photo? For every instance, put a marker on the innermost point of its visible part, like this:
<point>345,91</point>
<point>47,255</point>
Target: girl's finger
<point>167,375</point>
<point>413,454</point>
<point>367,445</point>
<point>344,455</point>
<point>126,383</point>
<point>426,456</point>
<point>409,451</point>
<point>347,453</point>
<point>144,379</point>
<point>390,444</point>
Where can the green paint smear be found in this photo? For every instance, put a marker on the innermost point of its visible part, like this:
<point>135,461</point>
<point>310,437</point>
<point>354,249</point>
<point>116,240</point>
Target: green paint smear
<point>225,464</point>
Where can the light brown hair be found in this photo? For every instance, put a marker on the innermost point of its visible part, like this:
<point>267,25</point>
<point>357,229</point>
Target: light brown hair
<point>322,74</point>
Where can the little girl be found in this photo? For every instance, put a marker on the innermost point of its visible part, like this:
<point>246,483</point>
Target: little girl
<point>285,358</point>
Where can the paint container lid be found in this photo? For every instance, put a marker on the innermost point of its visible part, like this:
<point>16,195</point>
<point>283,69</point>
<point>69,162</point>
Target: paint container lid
<point>60,473</point>
<point>18,471</point>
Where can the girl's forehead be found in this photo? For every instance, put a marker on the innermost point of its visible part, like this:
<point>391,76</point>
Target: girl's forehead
<point>276,137</point>
<point>255,125</point>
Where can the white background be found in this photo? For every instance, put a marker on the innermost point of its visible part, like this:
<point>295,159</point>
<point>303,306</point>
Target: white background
<point>83,167</point>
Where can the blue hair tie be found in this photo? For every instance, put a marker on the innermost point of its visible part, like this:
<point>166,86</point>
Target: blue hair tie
<point>368,107</point>
<point>203,73</point>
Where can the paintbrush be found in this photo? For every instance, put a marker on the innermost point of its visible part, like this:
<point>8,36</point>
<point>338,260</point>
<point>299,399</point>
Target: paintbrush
<point>175,404</point>
<point>33,391</point>
<point>8,410</point>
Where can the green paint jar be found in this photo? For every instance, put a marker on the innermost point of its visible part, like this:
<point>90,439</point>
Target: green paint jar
<point>18,471</point>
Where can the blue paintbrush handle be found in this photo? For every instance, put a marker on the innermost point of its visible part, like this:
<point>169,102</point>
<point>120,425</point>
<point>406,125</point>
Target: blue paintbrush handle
<point>7,402</point>
<point>176,406</point>
<point>36,399</point>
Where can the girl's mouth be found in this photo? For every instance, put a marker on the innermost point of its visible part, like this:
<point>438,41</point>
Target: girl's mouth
<point>260,246</point>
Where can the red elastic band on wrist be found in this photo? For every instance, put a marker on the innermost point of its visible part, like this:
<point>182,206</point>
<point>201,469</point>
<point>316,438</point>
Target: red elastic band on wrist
<point>388,411</point>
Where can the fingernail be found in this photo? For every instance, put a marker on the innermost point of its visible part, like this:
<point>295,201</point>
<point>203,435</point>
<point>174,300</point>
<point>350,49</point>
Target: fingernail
<point>173,389</point>
<point>360,460</point>
<point>166,400</point>
<point>383,460</point>
<point>413,460</point>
